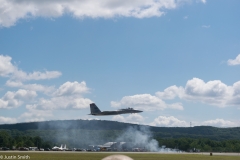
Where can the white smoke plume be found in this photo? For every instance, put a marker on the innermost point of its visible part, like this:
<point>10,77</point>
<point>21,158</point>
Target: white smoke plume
<point>81,135</point>
<point>141,138</point>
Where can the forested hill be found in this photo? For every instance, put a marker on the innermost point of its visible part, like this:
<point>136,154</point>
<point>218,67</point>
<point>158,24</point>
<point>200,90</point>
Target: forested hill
<point>69,124</point>
<point>163,132</point>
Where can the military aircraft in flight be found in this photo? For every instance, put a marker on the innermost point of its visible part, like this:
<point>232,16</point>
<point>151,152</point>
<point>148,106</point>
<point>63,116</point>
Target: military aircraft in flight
<point>95,111</point>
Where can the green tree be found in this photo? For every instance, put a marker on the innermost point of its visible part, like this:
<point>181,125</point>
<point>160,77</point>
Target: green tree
<point>38,141</point>
<point>5,139</point>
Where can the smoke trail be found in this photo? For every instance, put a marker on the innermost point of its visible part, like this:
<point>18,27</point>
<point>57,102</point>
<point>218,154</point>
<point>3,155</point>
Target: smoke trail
<point>81,134</point>
<point>141,138</point>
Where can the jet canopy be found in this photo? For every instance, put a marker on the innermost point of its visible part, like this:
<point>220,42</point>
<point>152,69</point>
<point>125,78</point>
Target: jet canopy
<point>126,109</point>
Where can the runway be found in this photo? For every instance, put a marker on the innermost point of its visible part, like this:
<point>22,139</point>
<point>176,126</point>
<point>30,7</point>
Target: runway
<point>70,152</point>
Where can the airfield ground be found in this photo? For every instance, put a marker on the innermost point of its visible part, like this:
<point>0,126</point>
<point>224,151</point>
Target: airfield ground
<point>37,155</point>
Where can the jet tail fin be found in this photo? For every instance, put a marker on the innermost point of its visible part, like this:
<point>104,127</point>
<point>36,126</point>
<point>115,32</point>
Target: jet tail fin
<point>94,109</point>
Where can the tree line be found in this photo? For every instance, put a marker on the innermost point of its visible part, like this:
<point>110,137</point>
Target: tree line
<point>14,142</point>
<point>50,138</point>
<point>202,144</point>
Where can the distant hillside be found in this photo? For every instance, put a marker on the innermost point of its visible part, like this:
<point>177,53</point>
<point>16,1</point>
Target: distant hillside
<point>69,124</point>
<point>98,125</point>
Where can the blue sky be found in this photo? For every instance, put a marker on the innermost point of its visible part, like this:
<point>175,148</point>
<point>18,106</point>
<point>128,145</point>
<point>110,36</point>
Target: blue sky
<point>177,60</point>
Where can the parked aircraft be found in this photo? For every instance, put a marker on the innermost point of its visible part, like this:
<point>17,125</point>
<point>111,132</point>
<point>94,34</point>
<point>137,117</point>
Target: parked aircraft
<point>95,111</point>
<point>56,148</point>
<point>65,147</point>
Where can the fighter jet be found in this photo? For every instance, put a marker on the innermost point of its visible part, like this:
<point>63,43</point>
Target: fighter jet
<point>56,148</point>
<point>95,111</point>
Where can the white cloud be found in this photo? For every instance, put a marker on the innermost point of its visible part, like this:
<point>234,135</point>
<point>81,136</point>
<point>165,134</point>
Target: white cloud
<point>16,99</point>
<point>33,87</point>
<point>206,26</point>
<point>204,1</point>
<point>7,69</point>
<point>11,11</point>
<point>62,103</point>
<point>70,88</point>
<point>235,61</point>
<point>35,115</point>
<point>23,76</point>
<point>135,118</point>
<point>145,102</point>
<point>132,118</point>
<point>221,123</point>
<point>67,96</point>
<point>11,83</point>
<point>115,104</point>
<point>169,93</point>
<point>4,120</point>
<point>163,121</point>
<point>212,92</point>
<point>197,87</point>
<point>119,118</point>
<point>171,121</point>
<point>177,106</point>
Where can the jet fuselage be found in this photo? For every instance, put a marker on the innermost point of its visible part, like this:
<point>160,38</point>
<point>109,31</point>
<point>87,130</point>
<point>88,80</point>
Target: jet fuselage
<point>95,111</point>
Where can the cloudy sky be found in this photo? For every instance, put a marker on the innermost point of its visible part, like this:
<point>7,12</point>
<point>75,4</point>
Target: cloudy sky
<point>177,60</point>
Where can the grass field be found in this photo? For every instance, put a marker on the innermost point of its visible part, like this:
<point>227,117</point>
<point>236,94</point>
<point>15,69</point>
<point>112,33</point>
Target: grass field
<point>99,156</point>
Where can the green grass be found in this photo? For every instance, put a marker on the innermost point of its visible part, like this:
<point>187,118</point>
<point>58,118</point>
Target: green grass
<point>99,156</point>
